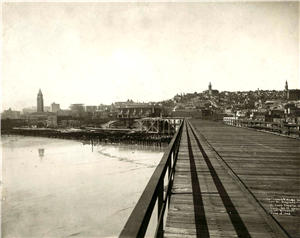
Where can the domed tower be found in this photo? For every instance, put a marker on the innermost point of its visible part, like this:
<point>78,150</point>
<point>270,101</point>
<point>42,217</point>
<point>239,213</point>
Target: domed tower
<point>40,102</point>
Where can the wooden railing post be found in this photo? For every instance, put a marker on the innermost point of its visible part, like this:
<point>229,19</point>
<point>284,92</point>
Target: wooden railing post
<point>160,199</point>
<point>171,181</point>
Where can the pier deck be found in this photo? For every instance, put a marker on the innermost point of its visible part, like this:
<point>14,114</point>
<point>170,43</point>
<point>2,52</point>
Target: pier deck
<point>232,182</point>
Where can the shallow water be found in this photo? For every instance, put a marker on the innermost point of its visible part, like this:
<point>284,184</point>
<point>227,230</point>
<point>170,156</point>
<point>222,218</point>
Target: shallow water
<point>59,188</point>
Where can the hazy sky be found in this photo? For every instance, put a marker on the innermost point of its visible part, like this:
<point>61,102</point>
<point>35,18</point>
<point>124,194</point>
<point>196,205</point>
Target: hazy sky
<point>100,52</point>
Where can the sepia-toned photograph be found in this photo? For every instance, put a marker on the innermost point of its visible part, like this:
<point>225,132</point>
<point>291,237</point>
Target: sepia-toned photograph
<point>150,119</point>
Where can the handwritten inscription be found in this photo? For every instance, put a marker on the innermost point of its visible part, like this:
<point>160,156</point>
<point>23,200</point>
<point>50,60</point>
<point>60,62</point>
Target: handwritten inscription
<point>284,206</point>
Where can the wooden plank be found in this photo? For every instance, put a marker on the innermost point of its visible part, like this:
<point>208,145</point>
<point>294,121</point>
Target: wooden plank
<point>181,221</point>
<point>268,165</point>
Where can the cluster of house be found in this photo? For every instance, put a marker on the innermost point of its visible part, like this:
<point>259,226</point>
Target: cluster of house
<point>272,111</point>
<point>269,111</point>
<point>285,106</point>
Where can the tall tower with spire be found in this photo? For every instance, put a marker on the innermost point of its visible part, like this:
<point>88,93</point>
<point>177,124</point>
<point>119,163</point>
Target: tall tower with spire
<point>286,89</point>
<point>40,102</point>
<point>209,89</point>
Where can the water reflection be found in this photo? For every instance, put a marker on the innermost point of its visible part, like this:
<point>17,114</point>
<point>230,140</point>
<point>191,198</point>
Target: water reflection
<point>141,147</point>
<point>126,147</point>
<point>41,152</point>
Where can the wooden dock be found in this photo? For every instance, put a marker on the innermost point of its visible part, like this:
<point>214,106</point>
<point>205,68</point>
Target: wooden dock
<point>234,182</point>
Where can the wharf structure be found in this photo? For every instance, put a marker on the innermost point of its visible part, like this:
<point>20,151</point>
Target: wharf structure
<point>217,180</point>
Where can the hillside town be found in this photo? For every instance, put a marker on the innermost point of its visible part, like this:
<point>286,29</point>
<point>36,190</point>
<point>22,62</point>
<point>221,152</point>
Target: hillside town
<point>259,105</point>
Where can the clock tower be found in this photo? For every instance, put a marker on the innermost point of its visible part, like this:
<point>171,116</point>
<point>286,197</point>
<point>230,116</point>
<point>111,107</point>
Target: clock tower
<point>40,102</point>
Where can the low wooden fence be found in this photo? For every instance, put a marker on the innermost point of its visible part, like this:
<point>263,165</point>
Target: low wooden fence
<point>276,127</point>
<point>138,221</point>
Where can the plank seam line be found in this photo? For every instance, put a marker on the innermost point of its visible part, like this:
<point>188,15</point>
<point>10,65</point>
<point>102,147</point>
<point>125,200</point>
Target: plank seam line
<point>199,212</point>
<point>182,193</point>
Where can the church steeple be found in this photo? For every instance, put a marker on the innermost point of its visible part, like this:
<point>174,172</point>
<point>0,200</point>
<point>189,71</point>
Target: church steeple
<point>40,102</point>
<point>286,88</point>
<point>209,90</point>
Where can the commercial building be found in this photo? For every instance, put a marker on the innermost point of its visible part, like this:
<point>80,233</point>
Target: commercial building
<point>291,94</point>
<point>10,114</point>
<point>78,110</point>
<point>29,110</point>
<point>139,111</point>
<point>55,107</point>
<point>47,109</point>
<point>42,119</point>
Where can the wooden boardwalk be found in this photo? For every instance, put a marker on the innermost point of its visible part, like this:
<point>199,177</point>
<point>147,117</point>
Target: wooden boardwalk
<point>230,181</point>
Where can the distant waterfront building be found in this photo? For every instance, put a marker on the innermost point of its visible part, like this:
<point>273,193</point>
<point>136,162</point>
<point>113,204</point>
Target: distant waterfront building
<point>293,94</point>
<point>40,102</point>
<point>139,111</point>
<point>47,108</point>
<point>10,114</point>
<point>42,119</point>
<point>77,107</point>
<point>91,108</point>
<point>62,112</point>
<point>78,110</point>
<point>55,107</point>
<point>29,110</point>
<point>128,103</point>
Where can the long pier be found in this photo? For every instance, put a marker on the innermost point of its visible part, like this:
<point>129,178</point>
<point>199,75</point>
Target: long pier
<point>265,166</point>
<point>96,136</point>
<point>222,181</point>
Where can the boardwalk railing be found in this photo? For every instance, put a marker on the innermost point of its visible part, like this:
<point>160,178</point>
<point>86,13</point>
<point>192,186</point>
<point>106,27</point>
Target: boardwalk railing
<point>138,221</point>
<point>280,128</point>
